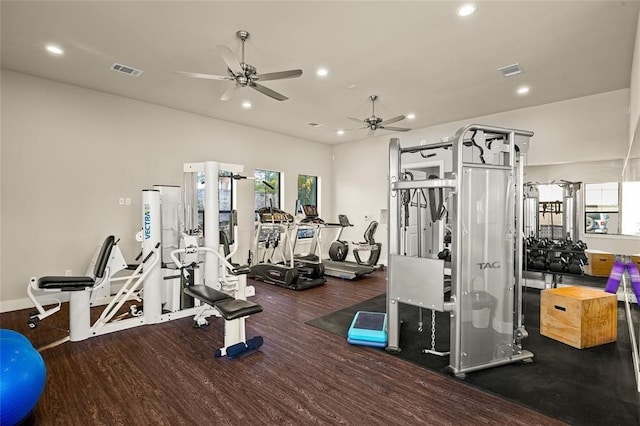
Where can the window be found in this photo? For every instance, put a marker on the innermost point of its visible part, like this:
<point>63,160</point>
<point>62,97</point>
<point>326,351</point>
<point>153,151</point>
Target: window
<point>266,189</point>
<point>225,202</point>
<point>307,191</point>
<point>601,208</point>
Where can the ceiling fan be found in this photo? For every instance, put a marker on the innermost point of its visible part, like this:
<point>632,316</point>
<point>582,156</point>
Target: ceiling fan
<point>245,75</point>
<point>374,123</point>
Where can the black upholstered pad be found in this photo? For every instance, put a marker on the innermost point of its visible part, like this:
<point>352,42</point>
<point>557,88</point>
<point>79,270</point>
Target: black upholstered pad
<point>206,294</point>
<point>235,308</point>
<point>65,283</point>
<point>240,269</point>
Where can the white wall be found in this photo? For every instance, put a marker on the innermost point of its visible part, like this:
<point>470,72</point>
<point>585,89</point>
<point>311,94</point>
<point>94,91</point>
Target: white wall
<point>632,173</point>
<point>592,128</point>
<point>69,154</point>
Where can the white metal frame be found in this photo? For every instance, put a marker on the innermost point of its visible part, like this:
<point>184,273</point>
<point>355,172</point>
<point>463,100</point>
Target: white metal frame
<point>145,283</point>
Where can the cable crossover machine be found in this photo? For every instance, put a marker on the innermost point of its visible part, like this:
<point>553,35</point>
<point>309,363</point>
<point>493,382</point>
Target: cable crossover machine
<point>455,243</point>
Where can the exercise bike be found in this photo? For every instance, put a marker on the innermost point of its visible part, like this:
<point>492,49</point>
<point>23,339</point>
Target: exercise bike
<point>339,249</point>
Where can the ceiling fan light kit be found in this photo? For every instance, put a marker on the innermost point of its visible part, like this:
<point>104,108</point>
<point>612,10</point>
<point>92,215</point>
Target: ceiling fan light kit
<point>374,123</point>
<point>244,74</point>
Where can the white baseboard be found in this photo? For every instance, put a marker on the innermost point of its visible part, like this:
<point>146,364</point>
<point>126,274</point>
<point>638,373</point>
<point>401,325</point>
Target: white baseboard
<point>25,303</point>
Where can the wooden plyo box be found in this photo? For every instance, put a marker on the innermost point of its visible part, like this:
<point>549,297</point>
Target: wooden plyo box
<point>600,263</point>
<point>578,316</point>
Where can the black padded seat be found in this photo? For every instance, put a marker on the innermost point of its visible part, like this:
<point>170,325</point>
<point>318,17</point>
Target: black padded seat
<point>240,269</point>
<point>206,294</point>
<point>65,283</point>
<point>228,307</point>
<point>236,308</point>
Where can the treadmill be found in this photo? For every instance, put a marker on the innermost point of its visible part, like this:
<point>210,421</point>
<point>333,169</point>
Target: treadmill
<point>345,269</point>
<point>273,231</point>
<point>341,269</point>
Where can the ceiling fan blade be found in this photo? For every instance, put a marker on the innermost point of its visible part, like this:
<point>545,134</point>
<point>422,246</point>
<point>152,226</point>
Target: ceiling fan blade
<point>357,128</point>
<point>356,119</point>
<point>266,91</point>
<point>393,120</point>
<point>229,93</point>
<point>394,129</point>
<point>370,132</point>
<point>207,76</point>
<point>278,75</point>
<point>230,60</point>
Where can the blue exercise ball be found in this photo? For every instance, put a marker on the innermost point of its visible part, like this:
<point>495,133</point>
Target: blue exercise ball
<point>22,378</point>
<point>5,333</point>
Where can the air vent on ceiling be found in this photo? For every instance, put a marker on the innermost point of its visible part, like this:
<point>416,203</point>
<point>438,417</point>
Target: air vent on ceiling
<point>126,70</point>
<point>312,124</point>
<point>510,70</point>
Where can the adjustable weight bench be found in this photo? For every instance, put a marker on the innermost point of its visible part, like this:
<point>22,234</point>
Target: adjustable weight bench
<point>230,309</point>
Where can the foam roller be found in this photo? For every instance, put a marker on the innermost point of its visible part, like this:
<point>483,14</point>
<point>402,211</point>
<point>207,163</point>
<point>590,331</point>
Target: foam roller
<point>254,343</point>
<point>236,350</point>
<point>615,277</point>
<point>634,276</point>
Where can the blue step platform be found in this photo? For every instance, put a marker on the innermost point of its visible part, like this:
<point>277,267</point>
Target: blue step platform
<point>368,329</point>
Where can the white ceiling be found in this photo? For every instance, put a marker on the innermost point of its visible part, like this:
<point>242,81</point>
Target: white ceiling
<point>417,56</point>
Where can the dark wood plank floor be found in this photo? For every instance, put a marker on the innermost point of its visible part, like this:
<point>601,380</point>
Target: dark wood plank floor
<point>166,373</point>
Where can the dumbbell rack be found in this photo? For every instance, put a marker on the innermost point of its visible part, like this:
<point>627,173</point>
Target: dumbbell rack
<point>553,252</point>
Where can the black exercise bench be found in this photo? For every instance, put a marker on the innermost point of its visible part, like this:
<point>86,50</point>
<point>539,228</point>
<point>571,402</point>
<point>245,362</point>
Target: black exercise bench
<point>228,307</point>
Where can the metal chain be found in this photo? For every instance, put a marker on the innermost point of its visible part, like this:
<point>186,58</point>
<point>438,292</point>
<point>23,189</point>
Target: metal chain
<point>433,329</point>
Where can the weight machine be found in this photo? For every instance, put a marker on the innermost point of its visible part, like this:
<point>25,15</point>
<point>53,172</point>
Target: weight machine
<point>160,289</point>
<point>478,200</point>
<point>536,212</point>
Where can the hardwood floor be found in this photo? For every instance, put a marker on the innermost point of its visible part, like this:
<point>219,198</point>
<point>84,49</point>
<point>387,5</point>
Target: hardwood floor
<point>165,374</point>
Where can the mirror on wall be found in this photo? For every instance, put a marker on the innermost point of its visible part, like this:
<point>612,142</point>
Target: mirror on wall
<point>630,220</point>
<point>608,202</point>
<point>549,210</point>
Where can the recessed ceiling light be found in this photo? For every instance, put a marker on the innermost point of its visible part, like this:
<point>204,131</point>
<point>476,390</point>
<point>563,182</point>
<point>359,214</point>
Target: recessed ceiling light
<point>322,72</point>
<point>467,9</point>
<point>246,104</point>
<point>523,90</point>
<point>352,86</point>
<point>51,48</point>
<point>411,116</point>
<point>340,132</point>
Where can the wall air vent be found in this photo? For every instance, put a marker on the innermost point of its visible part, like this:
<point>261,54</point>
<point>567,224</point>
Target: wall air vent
<point>126,70</point>
<point>511,70</point>
<point>312,124</point>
